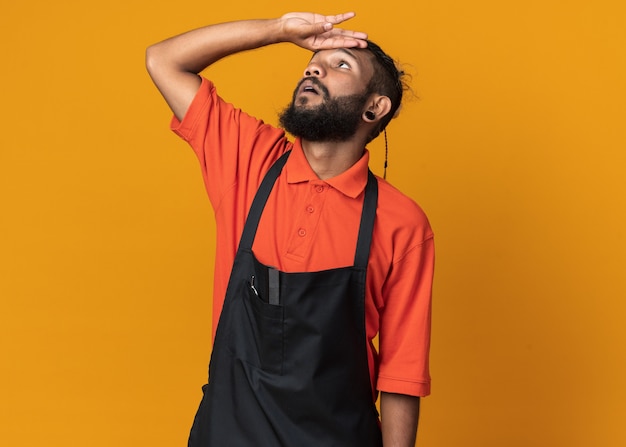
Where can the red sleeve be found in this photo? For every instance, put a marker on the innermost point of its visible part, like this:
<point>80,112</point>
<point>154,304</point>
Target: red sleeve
<point>223,138</point>
<point>405,323</point>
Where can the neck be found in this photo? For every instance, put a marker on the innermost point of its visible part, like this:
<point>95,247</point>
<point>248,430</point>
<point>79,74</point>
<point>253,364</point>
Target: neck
<point>329,159</point>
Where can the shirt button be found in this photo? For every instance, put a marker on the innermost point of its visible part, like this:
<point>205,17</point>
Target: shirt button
<point>310,209</point>
<point>319,188</point>
<point>301,232</point>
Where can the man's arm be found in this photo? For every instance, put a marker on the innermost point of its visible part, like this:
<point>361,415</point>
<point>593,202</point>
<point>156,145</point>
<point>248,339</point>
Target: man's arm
<point>174,64</point>
<point>399,415</point>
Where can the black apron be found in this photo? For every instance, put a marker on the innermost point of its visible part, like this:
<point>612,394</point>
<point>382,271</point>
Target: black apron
<point>289,362</point>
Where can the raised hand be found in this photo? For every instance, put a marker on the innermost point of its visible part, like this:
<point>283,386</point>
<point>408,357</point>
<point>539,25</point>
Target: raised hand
<point>317,32</point>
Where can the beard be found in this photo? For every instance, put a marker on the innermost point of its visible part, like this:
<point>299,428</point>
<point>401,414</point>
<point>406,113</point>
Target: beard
<point>334,120</point>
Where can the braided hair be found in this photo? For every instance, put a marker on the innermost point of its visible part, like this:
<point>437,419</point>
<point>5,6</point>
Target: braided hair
<point>387,80</point>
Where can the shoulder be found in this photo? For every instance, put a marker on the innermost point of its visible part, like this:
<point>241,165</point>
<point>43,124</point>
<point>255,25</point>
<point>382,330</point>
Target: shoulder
<point>213,122</point>
<point>400,217</point>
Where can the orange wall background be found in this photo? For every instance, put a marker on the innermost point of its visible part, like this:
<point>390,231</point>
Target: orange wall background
<point>515,148</point>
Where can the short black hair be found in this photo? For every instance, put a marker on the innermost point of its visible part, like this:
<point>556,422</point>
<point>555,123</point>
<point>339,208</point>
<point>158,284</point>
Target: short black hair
<point>387,80</point>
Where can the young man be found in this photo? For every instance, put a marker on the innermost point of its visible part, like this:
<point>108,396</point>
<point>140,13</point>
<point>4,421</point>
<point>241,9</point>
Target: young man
<point>314,256</point>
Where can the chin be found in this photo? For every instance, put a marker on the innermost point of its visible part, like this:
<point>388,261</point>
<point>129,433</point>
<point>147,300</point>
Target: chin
<point>304,102</point>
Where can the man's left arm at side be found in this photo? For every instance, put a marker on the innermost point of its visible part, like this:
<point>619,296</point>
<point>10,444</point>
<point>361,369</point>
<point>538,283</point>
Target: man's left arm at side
<point>399,416</point>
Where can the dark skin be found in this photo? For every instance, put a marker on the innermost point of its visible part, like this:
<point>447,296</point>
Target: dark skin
<point>343,69</point>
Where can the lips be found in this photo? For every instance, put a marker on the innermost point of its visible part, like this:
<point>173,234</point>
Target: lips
<point>308,87</point>
<point>312,86</point>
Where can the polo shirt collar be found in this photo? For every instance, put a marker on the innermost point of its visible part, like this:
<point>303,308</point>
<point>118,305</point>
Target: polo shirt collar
<point>350,182</point>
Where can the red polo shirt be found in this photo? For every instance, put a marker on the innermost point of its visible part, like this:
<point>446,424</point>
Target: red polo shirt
<point>310,224</point>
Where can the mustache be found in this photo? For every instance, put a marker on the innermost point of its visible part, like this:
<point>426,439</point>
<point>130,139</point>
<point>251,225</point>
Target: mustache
<point>316,82</point>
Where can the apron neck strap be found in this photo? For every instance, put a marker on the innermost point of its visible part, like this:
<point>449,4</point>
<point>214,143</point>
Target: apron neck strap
<point>366,228</point>
<point>260,199</point>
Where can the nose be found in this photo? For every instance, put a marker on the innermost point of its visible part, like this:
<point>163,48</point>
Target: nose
<point>315,70</point>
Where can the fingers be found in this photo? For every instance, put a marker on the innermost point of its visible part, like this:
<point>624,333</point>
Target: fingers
<point>348,34</point>
<point>351,37</point>
<point>338,41</point>
<point>338,38</point>
<point>338,18</point>
<point>316,31</point>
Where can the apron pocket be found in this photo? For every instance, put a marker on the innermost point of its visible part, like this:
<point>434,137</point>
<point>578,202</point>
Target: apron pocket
<point>266,322</point>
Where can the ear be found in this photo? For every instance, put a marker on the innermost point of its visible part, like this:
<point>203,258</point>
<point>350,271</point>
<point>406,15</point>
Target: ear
<point>377,107</point>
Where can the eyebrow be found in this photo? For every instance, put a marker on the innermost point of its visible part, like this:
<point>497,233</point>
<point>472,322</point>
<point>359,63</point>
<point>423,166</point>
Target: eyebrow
<point>342,50</point>
<point>348,52</point>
